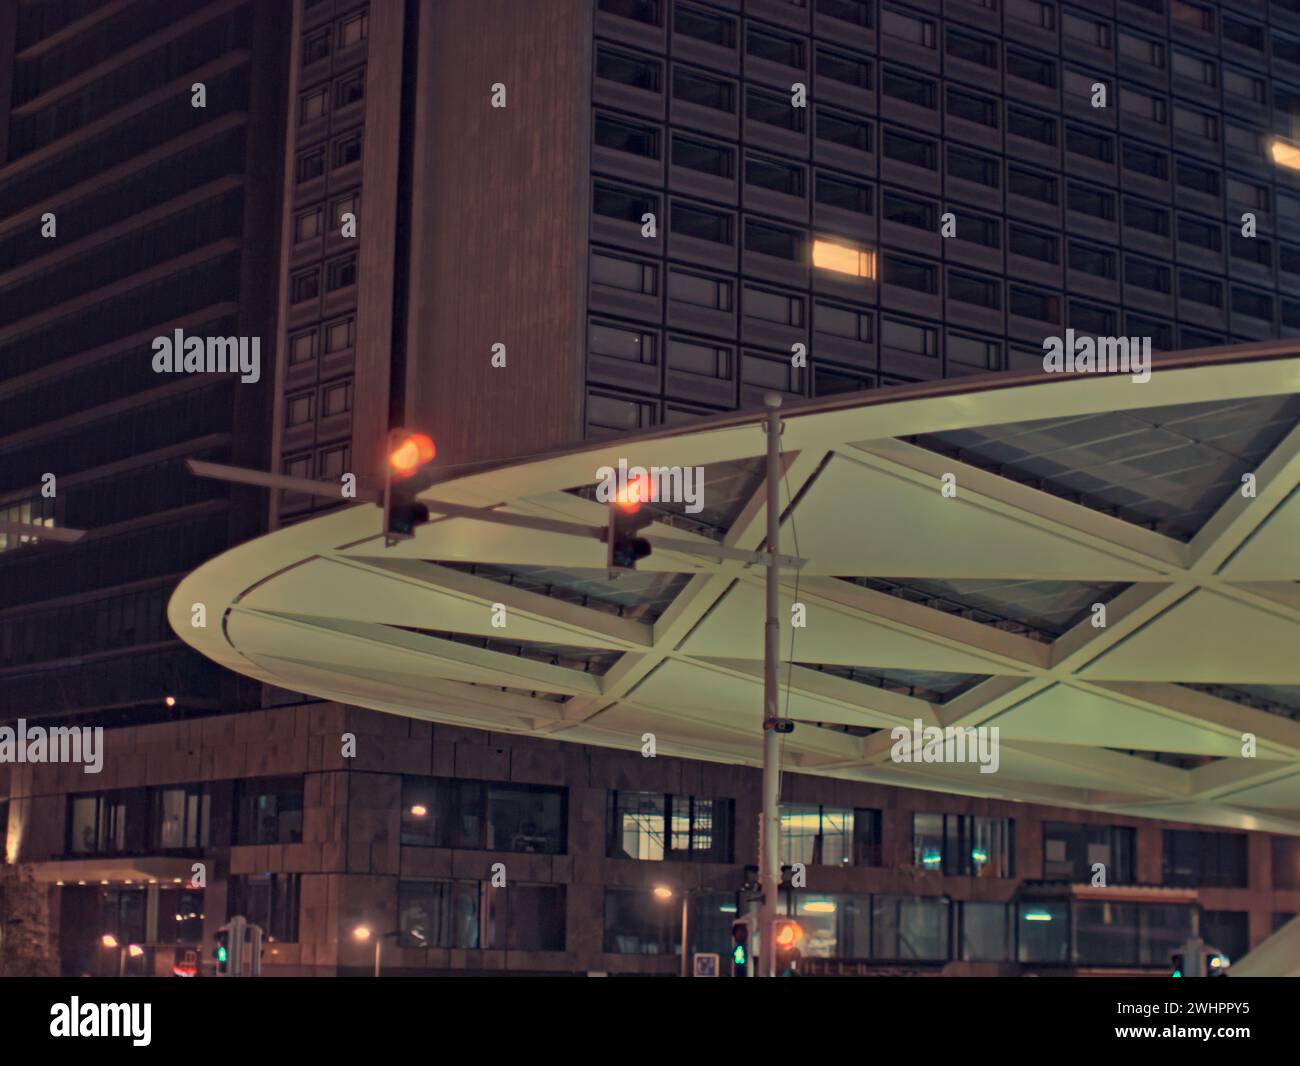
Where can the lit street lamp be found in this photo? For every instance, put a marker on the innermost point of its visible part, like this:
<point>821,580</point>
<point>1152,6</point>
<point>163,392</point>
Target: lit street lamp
<point>664,893</point>
<point>362,933</point>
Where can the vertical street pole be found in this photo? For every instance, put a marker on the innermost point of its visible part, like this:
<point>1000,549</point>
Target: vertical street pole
<point>769,869</point>
<point>379,949</point>
<point>686,898</point>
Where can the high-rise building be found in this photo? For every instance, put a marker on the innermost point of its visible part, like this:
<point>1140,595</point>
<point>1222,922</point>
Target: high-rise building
<point>515,225</point>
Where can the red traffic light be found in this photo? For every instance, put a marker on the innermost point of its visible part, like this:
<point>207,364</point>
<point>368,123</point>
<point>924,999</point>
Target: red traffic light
<point>411,452</point>
<point>632,495</point>
<point>788,934</point>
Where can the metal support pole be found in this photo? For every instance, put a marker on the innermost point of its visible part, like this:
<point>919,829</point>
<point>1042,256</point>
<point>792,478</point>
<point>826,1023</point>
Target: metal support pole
<point>686,899</point>
<point>769,862</point>
<point>379,950</point>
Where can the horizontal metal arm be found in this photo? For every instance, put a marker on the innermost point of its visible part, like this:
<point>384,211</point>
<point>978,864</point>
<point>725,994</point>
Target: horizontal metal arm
<point>717,551</point>
<point>243,476</point>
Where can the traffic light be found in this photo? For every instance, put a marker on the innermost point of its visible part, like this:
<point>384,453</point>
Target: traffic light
<point>788,935</point>
<point>1176,966</point>
<point>740,946</point>
<point>407,453</point>
<point>221,952</point>
<point>625,519</point>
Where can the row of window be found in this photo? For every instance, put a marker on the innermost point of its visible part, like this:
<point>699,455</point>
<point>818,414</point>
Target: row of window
<point>656,827</point>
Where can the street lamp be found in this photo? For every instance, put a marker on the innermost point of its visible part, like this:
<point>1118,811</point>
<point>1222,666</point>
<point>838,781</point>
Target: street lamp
<point>362,933</point>
<point>109,941</point>
<point>664,893</point>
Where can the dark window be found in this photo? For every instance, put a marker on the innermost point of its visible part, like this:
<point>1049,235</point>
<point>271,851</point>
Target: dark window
<point>704,156</point>
<point>1146,217</point>
<point>1202,234</point>
<point>1096,321</point>
<point>305,286</point>
<point>1256,304</point>
<point>979,229</point>
<point>919,92</point>
<point>1039,71</point>
<point>1034,244</point>
<point>974,351</point>
<point>1201,179</point>
<point>630,345</point>
<point>846,195</point>
<point>772,240</point>
<point>772,174</point>
<point>106,823</point>
<point>1031,184</point>
<point>1161,333</point>
<point>440,914</point>
<point>704,91</point>
<point>483,815</point>
<point>1245,34</point>
<point>1286,49</point>
<point>1145,274</point>
<point>775,48</point>
<point>967,288</point>
<point>1229,931</point>
<point>628,69</point>
<point>1090,201</point>
<point>347,150</point>
<point>910,274</point>
<point>909,338</point>
<point>701,223</point>
<point>1254,249</point>
<point>970,166</point>
<point>1038,128</point>
<point>619,272</point>
<point>1071,849</point>
<point>654,826</point>
<point>1030,304</point>
<point>627,137</point>
<point>1099,146</point>
<point>972,108</point>
<point>350,88</point>
<point>836,66</point>
<point>978,50</point>
<point>857,12</point>
<point>842,129</point>
<point>922,214</point>
<point>773,110</point>
<point>908,149</point>
<point>904,27</point>
<point>622,204</point>
<point>268,900</point>
<point>704,26</point>
<point>341,273</point>
<point>269,811</point>
<point>316,46</point>
<point>776,307</point>
<point>1099,262</point>
<point>703,290</point>
<point>1205,291</point>
<point>1145,161</point>
<point>638,10</point>
<point>311,165</point>
<point>846,322</point>
<point>708,361</point>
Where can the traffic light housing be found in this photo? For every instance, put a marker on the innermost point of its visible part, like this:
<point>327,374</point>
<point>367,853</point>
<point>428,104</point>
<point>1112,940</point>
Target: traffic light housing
<point>408,453</point>
<point>741,946</point>
<point>221,952</point>
<point>788,935</point>
<point>1176,966</point>
<point>625,547</point>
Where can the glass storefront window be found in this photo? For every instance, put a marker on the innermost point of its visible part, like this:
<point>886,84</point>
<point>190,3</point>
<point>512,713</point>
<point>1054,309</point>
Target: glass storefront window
<point>1044,932</point>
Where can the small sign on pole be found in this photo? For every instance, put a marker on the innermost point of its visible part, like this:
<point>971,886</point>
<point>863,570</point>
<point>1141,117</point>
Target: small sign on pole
<point>707,964</point>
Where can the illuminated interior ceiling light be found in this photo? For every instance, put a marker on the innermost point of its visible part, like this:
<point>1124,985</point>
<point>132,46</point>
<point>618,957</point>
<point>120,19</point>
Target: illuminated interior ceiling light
<point>843,259</point>
<point>1285,154</point>
<point>819,906</point>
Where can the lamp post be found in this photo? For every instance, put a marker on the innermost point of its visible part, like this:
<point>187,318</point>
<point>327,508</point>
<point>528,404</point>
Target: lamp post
<point>362,933</point>
<point>664,893</point>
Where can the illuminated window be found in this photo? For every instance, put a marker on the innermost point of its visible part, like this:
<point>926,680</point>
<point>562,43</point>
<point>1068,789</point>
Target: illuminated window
<point>843,259</point>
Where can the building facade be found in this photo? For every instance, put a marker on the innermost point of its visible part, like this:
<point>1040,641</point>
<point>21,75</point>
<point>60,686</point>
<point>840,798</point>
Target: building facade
<point>490,853</point>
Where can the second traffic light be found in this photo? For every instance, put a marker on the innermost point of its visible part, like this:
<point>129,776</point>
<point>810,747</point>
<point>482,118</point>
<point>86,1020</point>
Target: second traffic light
<point>741,946</point>
<point>788,935</point>
<point>221,952</point>
<point>625,547</point>
<point>403,511</point>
